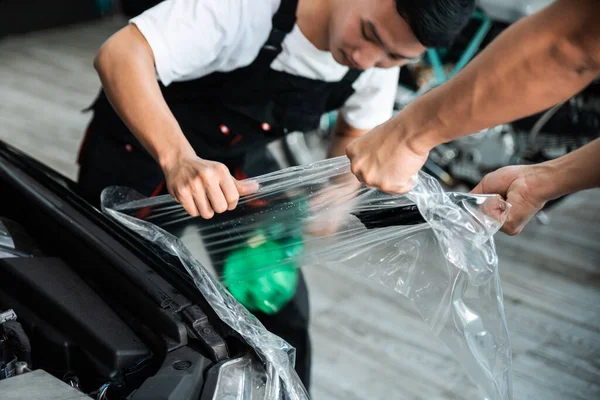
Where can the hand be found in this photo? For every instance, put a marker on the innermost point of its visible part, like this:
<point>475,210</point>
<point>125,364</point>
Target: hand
<point>386,160</point>
<point>204,187</point>
<point>520,186</point>
<point>331,205</point>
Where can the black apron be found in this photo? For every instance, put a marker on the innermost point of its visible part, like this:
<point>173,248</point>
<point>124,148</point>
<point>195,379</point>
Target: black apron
<point>225,117</point>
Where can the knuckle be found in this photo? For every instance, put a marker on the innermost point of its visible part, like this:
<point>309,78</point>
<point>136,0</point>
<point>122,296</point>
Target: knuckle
<point>208,177</point>
<point>220,208</point>
<point>207,174</point>
<point>173,193</point>
<point>197,186</point>
<point>181,191</point>
<point>222,169</point>
<point>384,187</point>
<point>370,179</point>
<point>350,151</point>
<point>394,189</point>
<point>234,196</point>
<point>407,187</point>
<point>192,211</point>
<point>232,202</point>
<point>355,168</point>
<point>512,230</point>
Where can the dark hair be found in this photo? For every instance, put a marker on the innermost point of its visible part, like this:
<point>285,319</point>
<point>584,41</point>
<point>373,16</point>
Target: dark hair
<point>436,23</point>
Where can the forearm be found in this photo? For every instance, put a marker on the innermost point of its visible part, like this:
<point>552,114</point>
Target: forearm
<point>343,135</point>
<point>570,173</point>
<point>338,145</point>
<point>125,65</point>
<point>536,63</point>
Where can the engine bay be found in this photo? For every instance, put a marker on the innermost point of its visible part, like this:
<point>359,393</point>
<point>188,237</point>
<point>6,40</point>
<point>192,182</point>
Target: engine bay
<point>77,304</point>
<point>43,294</point>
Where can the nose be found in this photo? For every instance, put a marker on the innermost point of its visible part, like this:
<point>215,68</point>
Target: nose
<point>366,57</point>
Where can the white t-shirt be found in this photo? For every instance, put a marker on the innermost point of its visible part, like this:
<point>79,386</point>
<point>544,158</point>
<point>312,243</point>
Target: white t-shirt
<point>193,38</point>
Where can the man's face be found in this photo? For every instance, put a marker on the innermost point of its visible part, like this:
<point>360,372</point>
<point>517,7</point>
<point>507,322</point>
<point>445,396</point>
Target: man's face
<point>371,33</point>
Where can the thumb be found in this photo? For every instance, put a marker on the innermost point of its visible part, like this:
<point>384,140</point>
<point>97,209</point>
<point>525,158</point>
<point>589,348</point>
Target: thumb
<point>477,189</point>
<point>496,182</point>
<point>246,186</point>
<point>494,207</point>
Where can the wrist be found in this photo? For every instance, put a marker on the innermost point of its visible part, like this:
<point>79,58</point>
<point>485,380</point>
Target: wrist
<point>420,141</point>
<point>173,154</point>
<point>548,180</point>
<point>420,132</point>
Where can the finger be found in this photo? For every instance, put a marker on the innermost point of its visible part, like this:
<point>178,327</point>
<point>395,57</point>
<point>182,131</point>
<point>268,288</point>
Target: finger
<point>495,207</point>
<point>202,203</point>
<point>351,151</point>
<point>478,189</point>
<point>246,187</point>
<point>400,188</point>
<point>358,173</point>
<point>406,187</point>
<point>360,177</point>
<point>496,182</point>
<point>230,192</point>
<point>215,195</point>
<point>520,215</point>
<point>511,229</point>
<point>186,200</point>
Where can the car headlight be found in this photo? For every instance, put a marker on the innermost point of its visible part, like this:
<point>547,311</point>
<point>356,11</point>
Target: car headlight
<point>242,378</point>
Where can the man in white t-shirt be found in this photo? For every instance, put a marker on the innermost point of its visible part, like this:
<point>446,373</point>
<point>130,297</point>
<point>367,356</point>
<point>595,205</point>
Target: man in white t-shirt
<point>193,88</point>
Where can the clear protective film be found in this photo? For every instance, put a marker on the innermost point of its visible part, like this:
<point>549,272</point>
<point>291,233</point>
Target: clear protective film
<point>432,247</point>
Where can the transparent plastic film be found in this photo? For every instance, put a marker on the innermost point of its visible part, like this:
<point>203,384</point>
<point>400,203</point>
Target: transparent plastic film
<point>277,354</point>
<point>432,247</point>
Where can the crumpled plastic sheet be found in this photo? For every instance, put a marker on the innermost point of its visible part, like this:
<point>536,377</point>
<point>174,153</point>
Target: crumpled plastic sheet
<point>441,257</point>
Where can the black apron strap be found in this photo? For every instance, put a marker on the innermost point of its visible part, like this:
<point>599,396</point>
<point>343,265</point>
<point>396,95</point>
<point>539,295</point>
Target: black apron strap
<point>285,17</point>
<point>283,23</point>
<point>351,76</point>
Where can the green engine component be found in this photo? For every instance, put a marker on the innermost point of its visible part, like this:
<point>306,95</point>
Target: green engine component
<point>263,275</point>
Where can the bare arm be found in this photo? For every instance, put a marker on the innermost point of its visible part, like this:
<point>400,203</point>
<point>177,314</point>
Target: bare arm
<point>125,64</point>
<point>533,65</point>
<point>528,187</point>
<point>536,63</point>
<point>571,173</point>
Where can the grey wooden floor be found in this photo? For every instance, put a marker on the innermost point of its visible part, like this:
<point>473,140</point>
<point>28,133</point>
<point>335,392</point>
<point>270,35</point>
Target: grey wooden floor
<point>368,343</point>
